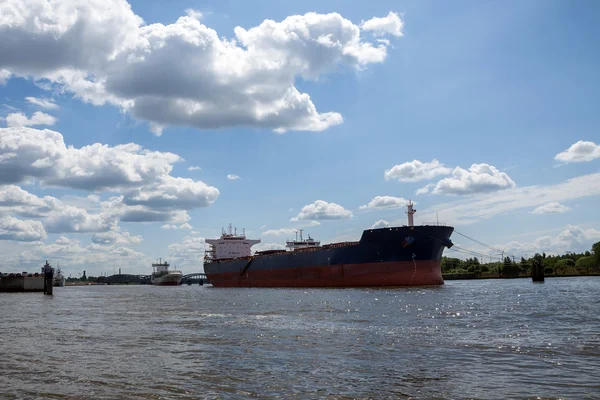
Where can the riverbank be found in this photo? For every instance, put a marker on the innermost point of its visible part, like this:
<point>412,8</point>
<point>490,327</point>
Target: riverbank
<point>494,275</point>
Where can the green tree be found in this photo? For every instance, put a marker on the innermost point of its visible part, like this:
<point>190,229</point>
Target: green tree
<point>584,264</point>
<point>596,250</point>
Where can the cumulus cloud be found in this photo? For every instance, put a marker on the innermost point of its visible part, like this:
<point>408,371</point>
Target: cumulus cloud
<point>380,224</point>
<point>416,170</point>
<point>21,230</point>
<point>551,208</point>
<point>38,118</point>
<point>385,202</point>
<point>43,103</point>
<point>579,152</point>
<point>143,176</point>
<point>190,251</point>
<point>115,237</point>
<point>389,25</point>
<point>321,210</point>
<point>190,12</point>
<point>143,213</point>
<point>570,238</point>
<point>4,76</point>
<point>233,177</point>
<point>102,52</point>
<point>173,193</point>
<point>56,216</point>
<point>194,168</point>
<point>480,178</point>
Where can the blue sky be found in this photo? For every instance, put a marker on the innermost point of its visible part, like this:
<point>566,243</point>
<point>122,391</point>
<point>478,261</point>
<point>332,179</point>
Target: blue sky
<point>503,95</point>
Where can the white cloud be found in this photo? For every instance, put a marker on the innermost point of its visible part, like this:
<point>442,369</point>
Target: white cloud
<point>480,178</point>
<point>142,213</point>
<point>143,176</point>
<point>190,12</point>
<point>21,230</point>
<point>38,118</point>
<point>194,168</point>
<point>268,246</point>
<point>184,226</point>
<point>280,232</point>
<point>380,224</point>
<point>189,252</point>
<point>102,52</point>
<point>416,170</point>
<point>385,202</point>
<point>43,103</point>
<point>233,177</point>
<point>321,210</point>
<point>69,219</point>
<point>56,216</point>
<point>173,193</point>
<point>115,237</point>
<point>571,238</point>
<point>486,206</point>
<point>390,25</point>
<point>4,76</point>
<point>551,208</point>
<point>425,189</point>
<point>579,152</point>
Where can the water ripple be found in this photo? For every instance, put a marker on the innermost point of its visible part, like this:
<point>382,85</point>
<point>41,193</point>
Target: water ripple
<point>467,339</point>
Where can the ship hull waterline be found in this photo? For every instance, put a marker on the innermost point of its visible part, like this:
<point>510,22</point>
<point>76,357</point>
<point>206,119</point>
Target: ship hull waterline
<point>395,273</point>
<point>399,256</point>
<point>167,280</point>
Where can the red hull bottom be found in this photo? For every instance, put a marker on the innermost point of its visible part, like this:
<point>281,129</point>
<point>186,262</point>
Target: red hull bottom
<point>398,273</point>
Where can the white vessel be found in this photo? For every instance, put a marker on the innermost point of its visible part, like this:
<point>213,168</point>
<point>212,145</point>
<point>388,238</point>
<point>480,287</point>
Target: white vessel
<point>163,276</point>
<point>59,278</point>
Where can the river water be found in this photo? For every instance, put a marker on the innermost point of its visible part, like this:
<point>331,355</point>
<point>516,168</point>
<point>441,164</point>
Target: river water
<point>485,339</point>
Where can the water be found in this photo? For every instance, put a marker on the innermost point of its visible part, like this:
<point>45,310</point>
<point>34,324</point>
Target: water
<point>486,339</point>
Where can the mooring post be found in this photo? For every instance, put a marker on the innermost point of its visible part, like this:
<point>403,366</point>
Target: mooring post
<point>48,279</point>
<point>537,269</point>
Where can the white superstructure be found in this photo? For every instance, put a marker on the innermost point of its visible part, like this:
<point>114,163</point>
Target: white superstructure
<point>163,276</point>
<point>229,245</point>
<point>410,212</point>
<point>302,243</point>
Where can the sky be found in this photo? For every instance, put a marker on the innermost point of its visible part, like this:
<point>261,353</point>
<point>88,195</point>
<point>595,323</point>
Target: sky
<point>132,131</point>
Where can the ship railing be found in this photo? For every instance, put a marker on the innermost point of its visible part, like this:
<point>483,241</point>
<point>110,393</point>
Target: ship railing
<point>433,224</point>
<point>340,244</point>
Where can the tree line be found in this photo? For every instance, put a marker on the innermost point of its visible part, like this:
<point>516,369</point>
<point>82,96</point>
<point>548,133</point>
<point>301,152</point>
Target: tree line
<point>570,263</point>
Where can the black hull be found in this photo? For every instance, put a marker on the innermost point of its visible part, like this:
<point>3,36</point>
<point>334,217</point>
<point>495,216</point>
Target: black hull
<point>383,257</point>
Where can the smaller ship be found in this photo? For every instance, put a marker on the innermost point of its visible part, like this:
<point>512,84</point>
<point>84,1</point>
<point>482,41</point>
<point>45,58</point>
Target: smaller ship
<point>59,278</point>
<point>163,276</point>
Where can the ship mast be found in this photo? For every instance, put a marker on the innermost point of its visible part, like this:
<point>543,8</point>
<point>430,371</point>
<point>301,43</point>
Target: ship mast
<point>410,213</point>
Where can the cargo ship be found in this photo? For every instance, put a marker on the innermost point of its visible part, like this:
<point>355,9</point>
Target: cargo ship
<point>163,276</point>
<point>406,255</point>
